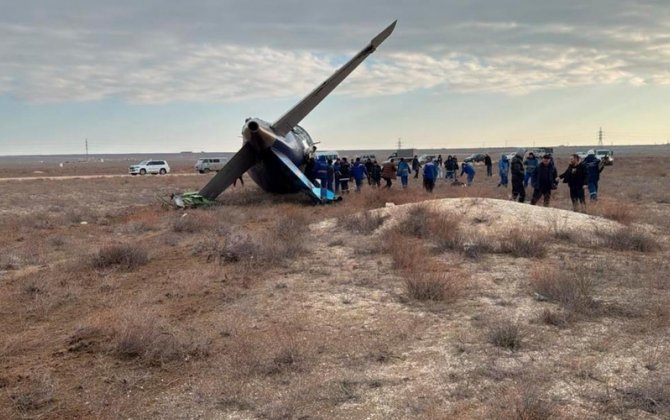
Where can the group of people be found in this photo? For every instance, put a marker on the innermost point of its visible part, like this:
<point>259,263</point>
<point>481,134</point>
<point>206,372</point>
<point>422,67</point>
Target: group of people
<point>540,174</point>
<point>543,176</point>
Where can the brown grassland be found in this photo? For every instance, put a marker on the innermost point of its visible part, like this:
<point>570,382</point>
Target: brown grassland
<point>264,306</point>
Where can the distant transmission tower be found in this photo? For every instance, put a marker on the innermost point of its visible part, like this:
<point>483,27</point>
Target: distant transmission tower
<point>86,149</point>
<point>399,143</point>
<point>600,137</point>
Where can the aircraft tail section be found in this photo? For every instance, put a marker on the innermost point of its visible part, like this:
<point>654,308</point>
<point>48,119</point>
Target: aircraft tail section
<point>306,185</point>
<point>289,120</point>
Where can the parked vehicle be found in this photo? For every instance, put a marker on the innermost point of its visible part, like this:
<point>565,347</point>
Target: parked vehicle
<point>424,158</point>
<point>329,154</point>
<point>366,157</point>
<point>475,157</point>
<point>606,156</point>
<point>205,165</point>
<point>150,167</point>
<point>408,154</point>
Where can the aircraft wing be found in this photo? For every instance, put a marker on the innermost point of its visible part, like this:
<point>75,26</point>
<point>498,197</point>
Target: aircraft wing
<point>310,189</point>
<point>244,159</point>
<point>289,120</point>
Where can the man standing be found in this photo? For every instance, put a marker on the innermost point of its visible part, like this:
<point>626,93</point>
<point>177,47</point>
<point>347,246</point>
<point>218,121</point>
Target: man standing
<point>359,173</point>
<point>345,175</point>
<point>575,177</point>
<point>516,168</point>
<point>489,165</point>
<point>429,174</point>
<point>337,165</point>
<point>331,174</point>
<point>503,171</point>
<point>368,168</point>
<point>376,174</point>
<point>530,163</point>
<point>403,172</point>
<point>388,173</point>
<point>543,180</point>
<point>416,166</point>
<point>593,167</point>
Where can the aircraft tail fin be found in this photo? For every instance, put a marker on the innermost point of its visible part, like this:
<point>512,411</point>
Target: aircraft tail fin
<point>289,120</point>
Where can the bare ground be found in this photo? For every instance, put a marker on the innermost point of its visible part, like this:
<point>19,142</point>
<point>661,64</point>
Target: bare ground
<point>267,307</point>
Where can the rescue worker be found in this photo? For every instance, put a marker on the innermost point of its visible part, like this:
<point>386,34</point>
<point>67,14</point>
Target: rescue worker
<point>376,174</point>
<point>403,172</point>
<point>321,174</point>
<point>359,173</point>
<point>368,168</point>
<point>416,165</point>
<point>489,165</point>
<point>469,170</point>
<point>331,174</point>
<point>503,171</point>
<point>345,175</point>
<point>429,175</point>
<point>337,165</point>
<point>530,164</point>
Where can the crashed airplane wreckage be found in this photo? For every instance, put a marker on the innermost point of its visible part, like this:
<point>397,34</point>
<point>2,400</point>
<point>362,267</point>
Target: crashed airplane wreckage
<point>276,154</point>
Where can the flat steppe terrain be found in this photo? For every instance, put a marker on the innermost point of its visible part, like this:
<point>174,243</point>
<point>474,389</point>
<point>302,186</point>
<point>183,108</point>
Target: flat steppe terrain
<point>456,304</point>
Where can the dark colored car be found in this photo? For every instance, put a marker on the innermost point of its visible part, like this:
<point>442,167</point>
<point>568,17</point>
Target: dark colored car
<point>475,157</point>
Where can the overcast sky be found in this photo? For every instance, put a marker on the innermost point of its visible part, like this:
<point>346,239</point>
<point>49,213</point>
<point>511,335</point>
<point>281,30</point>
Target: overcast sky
<point>169,76</point>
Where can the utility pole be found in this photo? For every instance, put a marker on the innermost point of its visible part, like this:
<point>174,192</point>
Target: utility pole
<point>86,149</point>
<point>600,137</point>
<point>399,143</point>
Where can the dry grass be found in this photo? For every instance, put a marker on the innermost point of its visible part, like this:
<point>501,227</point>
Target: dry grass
<point>617,210</point>
<point>362,223</point>
<point>570,286</point>
<point>505,334</point>
<point>123,256</point>
<point>629,238</point>
<point>524,243</point>
<point>35,396</point>
<point>433,286</point>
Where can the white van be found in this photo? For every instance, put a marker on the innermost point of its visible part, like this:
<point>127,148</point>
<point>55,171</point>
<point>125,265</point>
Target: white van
<point>205,165</point>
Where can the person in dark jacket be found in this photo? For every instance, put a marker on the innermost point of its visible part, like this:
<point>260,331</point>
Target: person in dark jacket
<point>530,163</point>
<point>517,171</point>
<point>575,177</point>
<point>416,165</point>
<point>489,165</point>
<point>331,174</point>
<point>345,175</point>
<point>368,168</point>
<point>450,169</point>
<point>376,174</point>
<point>544,179</point>
<point>320,172</point>
<point>359,173</point>
<point>593,167</point>
<point>310,170</point>
<point>337,165</point>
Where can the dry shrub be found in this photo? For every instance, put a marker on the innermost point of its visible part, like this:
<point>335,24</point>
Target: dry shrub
<point>618,210</point>
<point>407,253</point>
<point>527,244</point>
<point>505,334</point>
<point>156,343</point>
<point>193,222</point>
<point>416,223</point>
<point>125,256</point>
<point>363,223</point>
<point>555,318</point>
<point>652,396</point>
<point>524,402</point>
<point>34,395</point>
<point>434,286</point>
<point>629,238</point>
<point>445,230</point>
<point>571,287</point>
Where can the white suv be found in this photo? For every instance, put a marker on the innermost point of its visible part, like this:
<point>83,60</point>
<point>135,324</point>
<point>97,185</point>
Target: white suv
<point>149,167</point>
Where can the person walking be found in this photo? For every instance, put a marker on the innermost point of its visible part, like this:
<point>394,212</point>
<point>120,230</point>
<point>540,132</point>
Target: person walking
<point>593,167</point>
<point>337,166</point>
<point>359,173</point>
<point>368,168</point>
<point>331,175</point>
<point>376,174</point>
<point>575,177</point>
<point>544,180</point>
<point>450,169</point>
<point>403,172</point>
<point>345,175</point>
<point>456,167</point>
<point>530,164</point>
<point>429,175</point>
<point>489,165</point>
<point>517,171</point>
<point>388,173</point>
<point>416,165</point>
<point>438,164</point>
<point>503,171</point>
<point>469,170</point>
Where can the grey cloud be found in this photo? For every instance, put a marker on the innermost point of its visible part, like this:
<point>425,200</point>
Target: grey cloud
<point>162,51</point>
